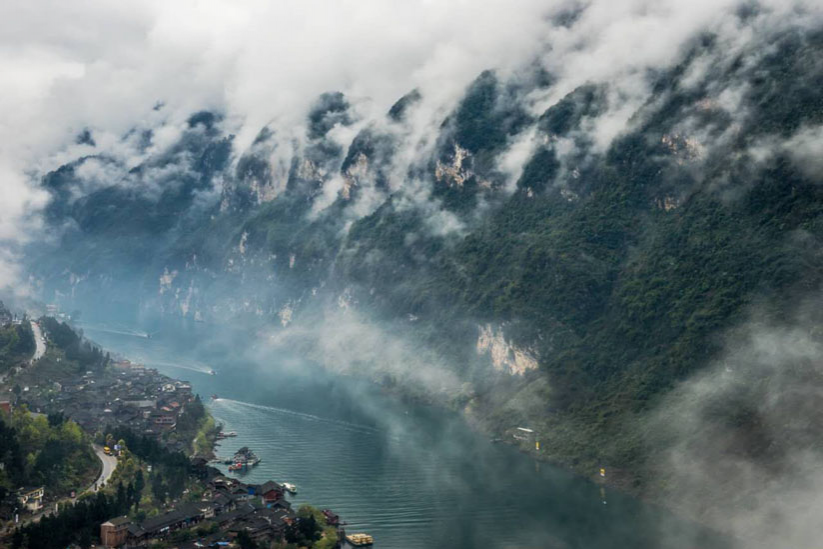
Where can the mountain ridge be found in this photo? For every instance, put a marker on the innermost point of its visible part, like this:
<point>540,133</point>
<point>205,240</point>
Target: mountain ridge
<point>572,295</point>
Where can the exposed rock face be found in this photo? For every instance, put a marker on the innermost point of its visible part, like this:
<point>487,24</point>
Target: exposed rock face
<point>285,314</point>
<point>309,171</point>
<point>619,264</point>
<point>354,175</point>
<point>454,174</point>
<point>682,147</point>
<point>505,357</point>
<point>166,280</point>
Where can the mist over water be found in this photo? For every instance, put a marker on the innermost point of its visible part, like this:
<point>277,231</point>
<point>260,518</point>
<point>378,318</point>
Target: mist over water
<point>410,475</point>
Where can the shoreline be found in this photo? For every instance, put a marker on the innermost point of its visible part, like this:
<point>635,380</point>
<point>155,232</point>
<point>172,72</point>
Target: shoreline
<point>161,435</point>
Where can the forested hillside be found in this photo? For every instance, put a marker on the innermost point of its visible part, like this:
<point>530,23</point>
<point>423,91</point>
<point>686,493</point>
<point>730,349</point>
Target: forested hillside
<point>16,341</point>
<point>569,295</point>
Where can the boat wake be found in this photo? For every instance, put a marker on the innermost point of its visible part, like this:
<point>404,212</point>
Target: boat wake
<point>200,369</point>
<point>231,403</point>
<point>115,330</point>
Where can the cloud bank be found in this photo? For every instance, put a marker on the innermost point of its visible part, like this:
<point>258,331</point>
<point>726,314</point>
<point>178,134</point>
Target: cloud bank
<point>742,438</point>
<point>110,68</point>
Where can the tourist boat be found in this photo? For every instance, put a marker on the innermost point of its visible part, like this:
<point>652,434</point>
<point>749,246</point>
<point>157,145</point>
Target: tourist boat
<point>290,488</point>
<point>245,458</point>
<point>360,540</point>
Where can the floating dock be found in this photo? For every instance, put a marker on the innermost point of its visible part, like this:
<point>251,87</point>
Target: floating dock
<point>360,540</point>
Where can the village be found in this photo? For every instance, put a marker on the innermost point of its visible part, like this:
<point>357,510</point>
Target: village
<point>125,394</point>
<point>142,419</point>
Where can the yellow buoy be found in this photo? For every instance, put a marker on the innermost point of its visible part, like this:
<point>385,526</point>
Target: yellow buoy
<point>537,445</point>
<point>602,472</point>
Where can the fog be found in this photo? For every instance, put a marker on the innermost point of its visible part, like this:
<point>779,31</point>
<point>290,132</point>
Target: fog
<point>111,88</point>
<point>742,438</point>
<point>101,71</point>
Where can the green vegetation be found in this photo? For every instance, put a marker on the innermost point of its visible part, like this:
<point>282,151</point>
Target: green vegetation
<point>36,450</point>
<point>618,269</point>
<point>170,470</point>
<point>203,441</point>
<point>79,523</point>
<point>73,345</point>
<point>17,343</point>
<point>311,530</point>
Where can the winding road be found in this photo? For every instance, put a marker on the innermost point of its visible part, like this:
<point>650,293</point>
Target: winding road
<point>109,465</point>
<point>40,343</point>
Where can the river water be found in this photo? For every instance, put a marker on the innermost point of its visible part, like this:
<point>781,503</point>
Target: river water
<point>411,476</point>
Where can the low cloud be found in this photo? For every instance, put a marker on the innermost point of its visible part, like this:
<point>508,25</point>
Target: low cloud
<point>342,340</point>
<point>806,150</point>
<point>742,438</point>
<point>118,70</point>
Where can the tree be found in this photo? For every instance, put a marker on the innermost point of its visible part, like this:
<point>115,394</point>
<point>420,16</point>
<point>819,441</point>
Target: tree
<point>121,496</point>
<point>85,539</point>
<point>130,495</point>
<point>139,484</point>
<point>244,540</point>
<point>56,418</point>
<point>158,488</point>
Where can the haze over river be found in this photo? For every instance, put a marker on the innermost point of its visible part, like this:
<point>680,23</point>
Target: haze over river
<point>410,475</point>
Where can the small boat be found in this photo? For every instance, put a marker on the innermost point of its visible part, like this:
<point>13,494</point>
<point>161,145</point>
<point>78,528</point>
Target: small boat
<point>290,488</point>
<point>236,467</point>
<point>212,373</point>
<point>332,518</point>
<point>214,397</point>
<point>360,540</point>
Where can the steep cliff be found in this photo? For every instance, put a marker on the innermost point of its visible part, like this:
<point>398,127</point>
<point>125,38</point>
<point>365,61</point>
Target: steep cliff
<point>516,260</point>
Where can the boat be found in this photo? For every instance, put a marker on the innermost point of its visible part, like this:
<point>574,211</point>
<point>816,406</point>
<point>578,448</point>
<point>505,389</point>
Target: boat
<point>244,458</point>
<point>214,397</point>
<point>360,540</point>
<point>290,488</point>
<point>221,435</point>
<point>332,518</point>
<point>212,373</point>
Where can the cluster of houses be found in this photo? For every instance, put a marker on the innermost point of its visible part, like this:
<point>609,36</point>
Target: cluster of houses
<point>128,394</point>
<point>259,509</point>
<point>7,317</point>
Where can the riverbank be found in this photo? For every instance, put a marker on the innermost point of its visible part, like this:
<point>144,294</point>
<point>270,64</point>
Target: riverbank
<point>158,438</point>
<point>327,433</point>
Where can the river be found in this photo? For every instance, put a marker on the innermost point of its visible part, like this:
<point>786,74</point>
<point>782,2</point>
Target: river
<point>412,476</point>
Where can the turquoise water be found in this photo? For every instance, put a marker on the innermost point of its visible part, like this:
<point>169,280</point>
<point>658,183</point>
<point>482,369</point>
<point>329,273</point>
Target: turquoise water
<point>411,476</point>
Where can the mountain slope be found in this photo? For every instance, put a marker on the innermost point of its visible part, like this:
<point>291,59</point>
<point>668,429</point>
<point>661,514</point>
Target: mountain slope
<point>572,294</point>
